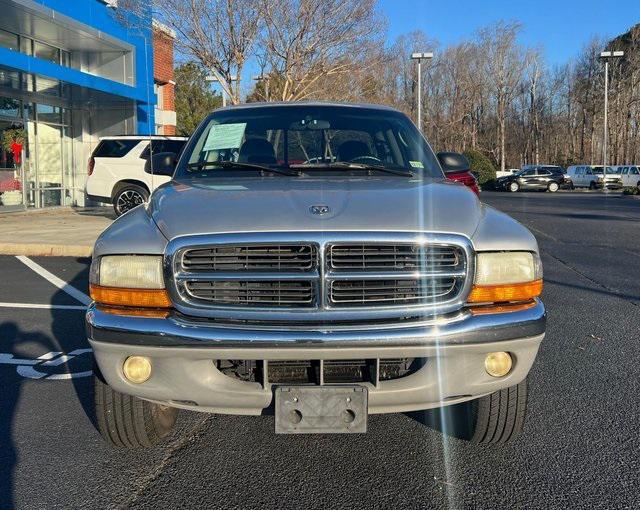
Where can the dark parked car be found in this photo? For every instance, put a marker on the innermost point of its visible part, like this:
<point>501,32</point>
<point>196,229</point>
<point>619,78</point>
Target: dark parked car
<point>539,177</point>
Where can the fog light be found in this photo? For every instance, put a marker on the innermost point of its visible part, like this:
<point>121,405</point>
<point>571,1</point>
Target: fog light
<point>498,364</point>
<point>137,369</point>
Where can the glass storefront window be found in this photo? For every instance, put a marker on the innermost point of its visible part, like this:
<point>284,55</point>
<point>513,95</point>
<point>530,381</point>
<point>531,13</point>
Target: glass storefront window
<point>30,108</point>
<point>9,107</point>
<point>47,86</point>
<point>46,52</point>
<point>26,46</point>
<point>50,163</point>
<point>37,49</point>
<point>9,40</point>
<point>12,140</point>
<point>10,79</point>
<point>48,113</point>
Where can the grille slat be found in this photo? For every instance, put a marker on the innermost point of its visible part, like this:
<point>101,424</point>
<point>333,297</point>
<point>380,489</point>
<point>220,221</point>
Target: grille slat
<point>371,292</point>
<point>251,258</point>
<point>253,293</point>
<point>394,257</point>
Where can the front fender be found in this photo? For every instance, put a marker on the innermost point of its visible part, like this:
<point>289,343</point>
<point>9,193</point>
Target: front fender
<point>133,232</point>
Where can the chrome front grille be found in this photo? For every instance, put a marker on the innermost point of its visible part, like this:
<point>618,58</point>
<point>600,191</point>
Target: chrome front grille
<point>317,276</point>
<point>389,292</point>
<point>395,257</point>
<point>269,293</point>
<point>274,257</point>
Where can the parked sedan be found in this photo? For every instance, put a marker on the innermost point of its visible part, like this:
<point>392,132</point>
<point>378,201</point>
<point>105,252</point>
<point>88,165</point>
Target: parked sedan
<point>542,177</point>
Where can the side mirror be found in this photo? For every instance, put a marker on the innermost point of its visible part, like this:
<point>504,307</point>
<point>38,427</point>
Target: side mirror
<point>452,162</point>
<point>162,163</point>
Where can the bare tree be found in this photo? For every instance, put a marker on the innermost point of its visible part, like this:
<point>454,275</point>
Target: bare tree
<point>534,76</point>
<point>218,34</point>
<point>505,61</point>
<point>309,43</point>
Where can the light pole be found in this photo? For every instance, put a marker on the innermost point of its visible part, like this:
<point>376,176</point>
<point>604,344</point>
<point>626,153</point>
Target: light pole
<point>264,79</point>
<point>420,57</point>
<point>606,56</point>
<point>217,80</point>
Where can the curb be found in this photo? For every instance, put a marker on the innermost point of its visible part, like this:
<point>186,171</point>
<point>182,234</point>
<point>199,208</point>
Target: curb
<point>46,250</point>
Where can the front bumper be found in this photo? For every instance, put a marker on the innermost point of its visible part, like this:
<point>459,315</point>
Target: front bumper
<point>183,354</point>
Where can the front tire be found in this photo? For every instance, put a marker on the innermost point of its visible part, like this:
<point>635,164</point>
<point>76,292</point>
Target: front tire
<point>553,187</point>
<point>513,187</point>
<point>130,422</point>
<point>129,196</point>
<point>499,417</point>
<point>592,185</point>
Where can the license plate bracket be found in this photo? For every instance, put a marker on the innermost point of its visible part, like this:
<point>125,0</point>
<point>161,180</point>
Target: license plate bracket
<point>321,409</point>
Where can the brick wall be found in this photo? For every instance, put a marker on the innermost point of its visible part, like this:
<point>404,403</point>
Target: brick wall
<point>163,75</point>
<point>162,56</point>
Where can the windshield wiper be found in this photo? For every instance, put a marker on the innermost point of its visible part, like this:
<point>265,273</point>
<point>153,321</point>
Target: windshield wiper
<point>236,165</point>
<point>356,166</point>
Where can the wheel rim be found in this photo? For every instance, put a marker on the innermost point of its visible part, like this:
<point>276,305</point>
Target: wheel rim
<point>513,186</point>
<point>553,187</point>
<point>128,200</point>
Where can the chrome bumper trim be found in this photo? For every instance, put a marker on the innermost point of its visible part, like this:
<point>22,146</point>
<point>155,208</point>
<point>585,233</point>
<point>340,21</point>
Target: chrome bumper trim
<point>177,332</point>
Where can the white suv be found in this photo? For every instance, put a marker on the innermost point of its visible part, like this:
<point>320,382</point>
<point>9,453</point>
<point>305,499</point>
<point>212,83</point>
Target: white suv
<point>117,173</point>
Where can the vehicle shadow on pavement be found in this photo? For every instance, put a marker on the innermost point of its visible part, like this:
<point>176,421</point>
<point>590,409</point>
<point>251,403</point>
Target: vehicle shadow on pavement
<point>26,346</point>
<point>454,420</point>
<point>100,212</point>
<point>14,338</point>
<point>70,334</point>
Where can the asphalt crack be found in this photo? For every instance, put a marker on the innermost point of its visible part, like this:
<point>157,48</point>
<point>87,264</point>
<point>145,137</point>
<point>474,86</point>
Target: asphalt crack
<point>602,286</point>
<point>180,443</point>
<point>610,290</point>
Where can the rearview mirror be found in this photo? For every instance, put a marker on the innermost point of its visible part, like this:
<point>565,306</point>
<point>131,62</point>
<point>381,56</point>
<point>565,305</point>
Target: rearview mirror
<point>162,163</point>
<point>310,124</point>
<point>452,162</point>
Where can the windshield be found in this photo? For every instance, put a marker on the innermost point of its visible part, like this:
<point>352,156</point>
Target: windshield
<point>598,170</point>
<point>308,138</point>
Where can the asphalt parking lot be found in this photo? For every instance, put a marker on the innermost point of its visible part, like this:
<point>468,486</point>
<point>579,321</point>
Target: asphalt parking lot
<point>581,447</point>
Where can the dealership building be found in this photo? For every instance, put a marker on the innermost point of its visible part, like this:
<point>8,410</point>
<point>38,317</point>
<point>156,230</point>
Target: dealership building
<point>71,72</point>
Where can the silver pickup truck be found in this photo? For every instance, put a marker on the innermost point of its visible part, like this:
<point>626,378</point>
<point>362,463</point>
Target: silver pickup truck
<point>309,260</point>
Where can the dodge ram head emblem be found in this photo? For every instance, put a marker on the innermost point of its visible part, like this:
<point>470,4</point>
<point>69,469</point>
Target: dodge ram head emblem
<point>319,209</point>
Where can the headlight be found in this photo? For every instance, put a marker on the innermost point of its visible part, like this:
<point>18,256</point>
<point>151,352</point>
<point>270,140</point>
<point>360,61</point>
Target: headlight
<point>507,267</point>
<point>506,277</point>
<point>128,280</point>
<point>130,271</point>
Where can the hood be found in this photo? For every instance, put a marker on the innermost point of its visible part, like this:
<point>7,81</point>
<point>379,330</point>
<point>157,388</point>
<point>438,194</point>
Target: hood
<point>276,203</point>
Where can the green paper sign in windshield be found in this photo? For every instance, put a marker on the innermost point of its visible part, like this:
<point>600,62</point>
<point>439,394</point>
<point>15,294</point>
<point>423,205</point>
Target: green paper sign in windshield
<point>225,136</point>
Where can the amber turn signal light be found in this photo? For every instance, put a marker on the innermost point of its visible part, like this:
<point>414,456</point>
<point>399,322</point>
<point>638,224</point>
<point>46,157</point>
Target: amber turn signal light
<point>502,308</point>
<point>158,313</point>
<point>140,298</point>
<point>505,293</point>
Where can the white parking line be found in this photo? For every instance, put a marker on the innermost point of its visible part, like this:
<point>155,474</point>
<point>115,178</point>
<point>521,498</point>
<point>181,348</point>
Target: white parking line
<point>53,279</point>
<point>42,306</point>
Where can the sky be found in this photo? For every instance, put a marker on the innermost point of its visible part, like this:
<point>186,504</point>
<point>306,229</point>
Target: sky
<point>560,27</point>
